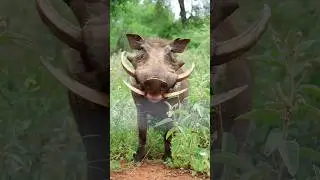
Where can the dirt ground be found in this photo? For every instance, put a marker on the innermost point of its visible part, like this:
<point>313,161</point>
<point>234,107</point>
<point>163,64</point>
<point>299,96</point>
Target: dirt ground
<point>154,171</point>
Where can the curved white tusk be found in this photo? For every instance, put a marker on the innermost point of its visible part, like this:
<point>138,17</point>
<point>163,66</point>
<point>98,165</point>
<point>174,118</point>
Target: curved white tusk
<point>76,87</point>
<point>174,94</point>
<point>136,90</point>
<point>186,74</point>
<point>126,67</point>
<point>229,49</point>
<point>64,30</point>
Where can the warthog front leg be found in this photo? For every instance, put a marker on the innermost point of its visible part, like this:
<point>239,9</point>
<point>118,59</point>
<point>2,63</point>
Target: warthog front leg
<point>142,130</point>
<point>167,142</point>
<point>93,125</point>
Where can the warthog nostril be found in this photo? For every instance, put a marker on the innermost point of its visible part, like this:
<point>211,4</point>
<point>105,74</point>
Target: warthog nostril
<point>155,85</point>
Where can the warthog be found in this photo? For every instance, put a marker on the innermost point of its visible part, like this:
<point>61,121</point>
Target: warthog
<point>158,77</point>
<point>88,64</point>
<point>235,72</point>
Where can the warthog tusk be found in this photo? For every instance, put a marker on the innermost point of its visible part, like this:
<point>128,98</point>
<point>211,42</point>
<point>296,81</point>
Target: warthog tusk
<point>229,49</point>
<point>186,74</point>
<point>166,95</point>
<point>174,94</point>
<point>76,87</point>
<point>136,90</point>
<point>126,67</point>
<point>64,30</point>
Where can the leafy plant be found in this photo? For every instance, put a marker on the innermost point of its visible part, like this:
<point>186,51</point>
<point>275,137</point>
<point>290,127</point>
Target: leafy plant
<point>276,152</point>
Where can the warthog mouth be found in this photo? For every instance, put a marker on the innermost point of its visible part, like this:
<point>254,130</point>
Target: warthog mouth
<point>155,98</point>
<point>159,96</point>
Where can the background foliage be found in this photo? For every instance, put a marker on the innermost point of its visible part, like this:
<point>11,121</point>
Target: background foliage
<point>284,139</point>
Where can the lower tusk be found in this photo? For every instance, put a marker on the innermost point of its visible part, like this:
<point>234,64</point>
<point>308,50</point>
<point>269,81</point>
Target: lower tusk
<point>136,90</point>
<point>76,87</point>
<point>174,94</point>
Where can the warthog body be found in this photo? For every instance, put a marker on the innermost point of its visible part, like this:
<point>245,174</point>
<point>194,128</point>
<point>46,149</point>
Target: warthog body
<point>88,63</point>
<point>158,77</point>
<point>232,70</point>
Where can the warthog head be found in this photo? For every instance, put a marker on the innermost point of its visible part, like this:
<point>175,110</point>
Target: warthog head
<point>90,41</point>
<point>156,68</point>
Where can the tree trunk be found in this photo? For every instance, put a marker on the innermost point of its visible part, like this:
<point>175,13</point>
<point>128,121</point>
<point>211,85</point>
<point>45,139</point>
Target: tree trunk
<point>182,12</point>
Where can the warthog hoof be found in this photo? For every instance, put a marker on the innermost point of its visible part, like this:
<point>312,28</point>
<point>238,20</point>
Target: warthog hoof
<point>167,156</point>
<point>139,155</point>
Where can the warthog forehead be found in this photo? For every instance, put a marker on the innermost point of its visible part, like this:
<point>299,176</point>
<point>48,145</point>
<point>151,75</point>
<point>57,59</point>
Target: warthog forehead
<point>157,55</point>
<point>157,42</point>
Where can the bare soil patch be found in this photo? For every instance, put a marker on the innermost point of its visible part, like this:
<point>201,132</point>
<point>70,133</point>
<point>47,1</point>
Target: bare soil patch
<point>153,171</point>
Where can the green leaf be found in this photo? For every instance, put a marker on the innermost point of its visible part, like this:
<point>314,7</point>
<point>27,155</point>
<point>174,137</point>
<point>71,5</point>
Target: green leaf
<point>251,175</point>
<point>311,109</point>
<point>316,170</point>
<point>305,45</point>
<point>311,89</point>
<point>218,99</point>
<point>256,174</point>
<point>301,68</point>
<point>274,141</point>
<point>266,57</point>
<point>275,63</point>
<point>263,171</point>
<point>232,160</point>
<point>197,107</point>
<point>162,122</point>
<point>12,38</point>
<point>309,153</point>
<point>261,114</point>
<point>258,135</point>
<point>289,151</point>
<point>172,131</point>
<point>229,143</point>
<point>17,159</point>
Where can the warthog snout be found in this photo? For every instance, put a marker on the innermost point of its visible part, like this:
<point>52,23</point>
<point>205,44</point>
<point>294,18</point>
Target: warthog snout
<point>154,89</point>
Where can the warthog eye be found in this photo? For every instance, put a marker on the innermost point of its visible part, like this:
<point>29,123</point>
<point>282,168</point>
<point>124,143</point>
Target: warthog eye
<point>140,56</point>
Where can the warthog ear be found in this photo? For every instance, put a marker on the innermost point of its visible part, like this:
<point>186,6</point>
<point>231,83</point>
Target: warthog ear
<point>135,41</point>
<point>179,45</point>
